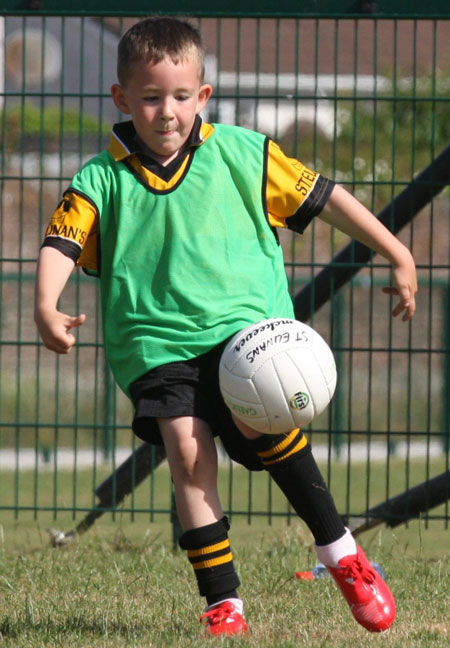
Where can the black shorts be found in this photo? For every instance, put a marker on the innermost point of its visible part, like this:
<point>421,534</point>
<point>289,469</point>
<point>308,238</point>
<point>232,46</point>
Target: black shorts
<point>189,388</point>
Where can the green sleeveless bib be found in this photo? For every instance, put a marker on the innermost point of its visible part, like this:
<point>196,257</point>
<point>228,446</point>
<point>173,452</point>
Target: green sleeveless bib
<point>183,270</point>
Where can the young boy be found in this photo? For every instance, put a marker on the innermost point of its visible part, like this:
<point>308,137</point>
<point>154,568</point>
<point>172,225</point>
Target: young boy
<point>177,218</point>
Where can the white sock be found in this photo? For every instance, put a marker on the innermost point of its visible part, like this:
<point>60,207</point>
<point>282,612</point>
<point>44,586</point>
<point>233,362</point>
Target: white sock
<point>332,553</point>
<point>237,602</point>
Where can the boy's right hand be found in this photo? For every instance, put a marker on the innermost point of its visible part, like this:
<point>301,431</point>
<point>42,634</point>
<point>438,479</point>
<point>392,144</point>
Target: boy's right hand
<point>53,270</point>
<point>54,328</point>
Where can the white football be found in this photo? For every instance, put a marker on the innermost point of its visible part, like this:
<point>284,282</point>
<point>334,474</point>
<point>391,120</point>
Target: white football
<point>277,375</point>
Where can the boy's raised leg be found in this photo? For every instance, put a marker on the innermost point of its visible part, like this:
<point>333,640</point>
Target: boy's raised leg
<point>289,460</point>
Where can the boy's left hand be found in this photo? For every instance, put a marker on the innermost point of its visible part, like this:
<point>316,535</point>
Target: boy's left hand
<point>405,280</point>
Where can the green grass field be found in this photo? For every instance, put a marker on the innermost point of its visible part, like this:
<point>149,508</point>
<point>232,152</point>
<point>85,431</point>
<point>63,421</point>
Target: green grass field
<point>122,584</point>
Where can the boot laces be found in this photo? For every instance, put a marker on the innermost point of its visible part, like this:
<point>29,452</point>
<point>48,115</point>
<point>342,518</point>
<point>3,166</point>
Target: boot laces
<point>356,570</point>
<point>218,614</point>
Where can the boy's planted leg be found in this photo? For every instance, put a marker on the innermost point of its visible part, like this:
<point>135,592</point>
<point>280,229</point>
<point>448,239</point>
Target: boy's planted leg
<point>192,456</point>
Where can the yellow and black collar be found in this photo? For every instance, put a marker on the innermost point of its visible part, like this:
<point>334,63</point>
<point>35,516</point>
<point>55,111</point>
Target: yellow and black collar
<point>125,141</point>
<point>125,146</point>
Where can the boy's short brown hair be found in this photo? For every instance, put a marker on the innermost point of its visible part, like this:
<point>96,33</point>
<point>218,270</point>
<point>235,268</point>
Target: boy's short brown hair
<point>153,39</point>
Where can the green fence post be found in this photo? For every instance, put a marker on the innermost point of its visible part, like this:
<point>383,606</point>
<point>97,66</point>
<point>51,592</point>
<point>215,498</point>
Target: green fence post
<point>446,372</point>
<point>108,416</point>
<point>339,396</point>
<point>176,526</point>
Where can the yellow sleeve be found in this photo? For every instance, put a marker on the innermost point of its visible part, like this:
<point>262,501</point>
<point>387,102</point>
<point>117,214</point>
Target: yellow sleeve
<point>294,193</point>
<point>73,229</point>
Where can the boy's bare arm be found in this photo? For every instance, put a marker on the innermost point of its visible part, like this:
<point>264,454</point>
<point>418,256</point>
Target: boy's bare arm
<point>348,215</point>
<point>53,272</point>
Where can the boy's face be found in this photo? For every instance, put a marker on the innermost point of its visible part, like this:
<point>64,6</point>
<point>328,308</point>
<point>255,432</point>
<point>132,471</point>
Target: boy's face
<point>163,100</point>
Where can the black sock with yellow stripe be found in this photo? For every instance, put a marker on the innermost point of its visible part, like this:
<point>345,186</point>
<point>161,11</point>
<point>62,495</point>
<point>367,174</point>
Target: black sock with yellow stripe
<point>209,553</point>
<point>289,460</point>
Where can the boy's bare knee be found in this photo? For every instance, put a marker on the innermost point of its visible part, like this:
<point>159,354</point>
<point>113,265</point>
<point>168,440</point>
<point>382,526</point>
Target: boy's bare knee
<point>246,430</point>
<point>190,448</point>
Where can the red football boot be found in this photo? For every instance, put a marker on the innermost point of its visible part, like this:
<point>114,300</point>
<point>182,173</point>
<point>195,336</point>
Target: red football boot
<point>368,596</point>
<point>224,618</point>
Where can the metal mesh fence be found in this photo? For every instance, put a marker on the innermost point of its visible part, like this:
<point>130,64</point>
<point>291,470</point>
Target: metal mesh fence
<point>362,100</point>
